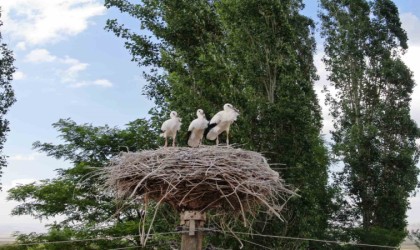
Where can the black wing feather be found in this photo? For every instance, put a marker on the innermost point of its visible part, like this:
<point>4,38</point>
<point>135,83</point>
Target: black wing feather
<point>188,136</point>
<point>210,126</point>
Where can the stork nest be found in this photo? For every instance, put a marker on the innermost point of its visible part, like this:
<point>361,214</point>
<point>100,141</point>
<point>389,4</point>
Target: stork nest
<point>209,177</point>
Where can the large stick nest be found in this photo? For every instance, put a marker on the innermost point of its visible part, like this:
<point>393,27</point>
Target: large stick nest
<point>208,177</point>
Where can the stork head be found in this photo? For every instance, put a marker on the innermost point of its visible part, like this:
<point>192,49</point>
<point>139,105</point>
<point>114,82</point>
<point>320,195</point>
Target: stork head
<point>173,114</point>
<point>200,113</point>
<point>229,107</point>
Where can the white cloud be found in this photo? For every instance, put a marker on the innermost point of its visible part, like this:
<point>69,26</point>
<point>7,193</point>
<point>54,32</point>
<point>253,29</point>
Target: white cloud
<point>72,72</point>
<point>21,157</point>
<point>103,83</point>
<point>79,84</point>
<point>69,60</point>
<point>100,82</point>
<point>69,69</point>
<point>21,46</point>
<point>39,55</point>
<point>44,21</point>
<point>19,75</point>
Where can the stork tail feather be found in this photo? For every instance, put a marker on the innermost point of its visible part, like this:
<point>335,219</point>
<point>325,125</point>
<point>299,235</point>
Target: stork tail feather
<point>212,135</point>
<point>194,143</point>
<point>207,130</point>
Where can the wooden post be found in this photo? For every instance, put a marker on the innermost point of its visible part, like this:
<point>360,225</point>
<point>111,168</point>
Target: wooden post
<point>192,220</point>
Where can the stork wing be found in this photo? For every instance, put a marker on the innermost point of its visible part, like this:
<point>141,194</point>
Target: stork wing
<point>164,125</point>
<point>193,125</point>
<point>216,118</point>
<point>195,137</point>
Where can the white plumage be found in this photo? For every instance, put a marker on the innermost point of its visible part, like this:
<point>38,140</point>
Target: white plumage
<point>171,127</point>
<point>221,122</point>
<point>196,129</point>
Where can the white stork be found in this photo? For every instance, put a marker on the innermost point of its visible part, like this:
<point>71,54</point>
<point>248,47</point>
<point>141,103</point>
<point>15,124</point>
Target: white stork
<point>196,129</point>
<point>171,127</point>
<point>221,122</point>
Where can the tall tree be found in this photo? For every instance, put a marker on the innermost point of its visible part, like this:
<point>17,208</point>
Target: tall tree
<point>7,97</point>
<point>257,55</point>
<point>374,134</point>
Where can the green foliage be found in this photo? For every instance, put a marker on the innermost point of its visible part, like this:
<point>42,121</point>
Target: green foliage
<point>65,237</point>
<point>7,96</point>
<point>374,134</point>
<point>380,236</point>
<point>76,193</point>
<point>415,235</point>
<point>257,55</point>
<point>57,238</point>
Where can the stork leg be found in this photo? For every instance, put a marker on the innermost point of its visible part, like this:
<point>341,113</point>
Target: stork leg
<point>173,141</point>
<point>227,136</point>
<point>166,142</point>
<point>217,141</point>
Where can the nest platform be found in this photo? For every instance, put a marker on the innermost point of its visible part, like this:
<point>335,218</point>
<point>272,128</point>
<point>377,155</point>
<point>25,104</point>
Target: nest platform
<point>209,177</point>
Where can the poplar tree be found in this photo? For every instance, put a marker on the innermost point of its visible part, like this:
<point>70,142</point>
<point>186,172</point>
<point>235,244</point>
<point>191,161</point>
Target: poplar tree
<point>374,135</point>
<point>7,97</point>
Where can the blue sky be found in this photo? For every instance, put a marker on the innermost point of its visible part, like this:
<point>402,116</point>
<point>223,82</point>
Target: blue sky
<point>69,66</point>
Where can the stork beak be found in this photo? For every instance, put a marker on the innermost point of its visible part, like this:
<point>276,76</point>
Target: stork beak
<point>237,111</point>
